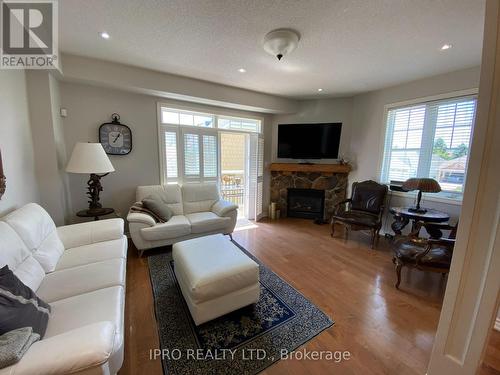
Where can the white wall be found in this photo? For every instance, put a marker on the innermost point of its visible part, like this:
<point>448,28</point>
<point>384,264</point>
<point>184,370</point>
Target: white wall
<point>368,127</point>
<point>16,142</point>
<point>313,111</point>
<point>145,81</point>
<point>46,127</point>
<point>89,106</point>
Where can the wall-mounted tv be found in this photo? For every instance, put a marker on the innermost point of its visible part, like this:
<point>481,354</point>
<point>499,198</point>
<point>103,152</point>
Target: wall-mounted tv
<point>309,141</point>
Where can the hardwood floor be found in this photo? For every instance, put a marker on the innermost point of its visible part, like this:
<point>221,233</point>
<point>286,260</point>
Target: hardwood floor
<point>491,362</point>
<point>386,331</point>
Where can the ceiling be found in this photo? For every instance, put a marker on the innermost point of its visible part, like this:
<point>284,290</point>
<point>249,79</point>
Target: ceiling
<point>346,46</point>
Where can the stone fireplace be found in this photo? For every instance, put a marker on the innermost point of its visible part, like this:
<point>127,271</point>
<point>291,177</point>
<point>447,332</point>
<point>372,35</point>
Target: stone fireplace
<point>305,203</point>
<point>332,178</point>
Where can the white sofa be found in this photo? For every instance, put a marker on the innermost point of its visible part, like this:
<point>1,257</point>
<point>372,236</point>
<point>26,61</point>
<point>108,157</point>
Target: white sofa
<point>198,211</point>
<point>80,271</point>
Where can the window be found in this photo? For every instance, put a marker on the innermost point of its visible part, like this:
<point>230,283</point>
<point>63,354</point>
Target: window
<point>210,156</point>
<point>186,118</point>
<point>234,123</point>
<point>171,172</point>
<point>430,140</point>
<point>190,149</point>
<point>191,155</point>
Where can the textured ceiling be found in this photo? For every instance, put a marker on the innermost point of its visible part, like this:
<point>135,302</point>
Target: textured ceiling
<point>346,46</point>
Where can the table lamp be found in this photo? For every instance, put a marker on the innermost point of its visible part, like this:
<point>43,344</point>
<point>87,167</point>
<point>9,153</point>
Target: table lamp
<point>90,158</point>
<point>426,185</point>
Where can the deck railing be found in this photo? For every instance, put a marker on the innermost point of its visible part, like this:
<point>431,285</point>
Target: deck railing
<point>233,188</point>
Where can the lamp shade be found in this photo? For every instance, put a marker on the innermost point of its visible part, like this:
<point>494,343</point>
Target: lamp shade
<point>89,158</point>
<point>426,185</point>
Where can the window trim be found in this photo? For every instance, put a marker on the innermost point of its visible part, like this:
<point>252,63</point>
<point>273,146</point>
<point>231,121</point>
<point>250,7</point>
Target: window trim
<point>417,101</point>
<point>216,112</point>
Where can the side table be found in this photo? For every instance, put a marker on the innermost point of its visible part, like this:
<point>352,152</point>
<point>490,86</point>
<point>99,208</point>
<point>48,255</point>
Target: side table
<point>95,213</point>
<point>402,217</point>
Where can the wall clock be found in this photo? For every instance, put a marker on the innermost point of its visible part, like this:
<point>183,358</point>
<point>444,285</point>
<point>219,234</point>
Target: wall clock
<point>116,138</point>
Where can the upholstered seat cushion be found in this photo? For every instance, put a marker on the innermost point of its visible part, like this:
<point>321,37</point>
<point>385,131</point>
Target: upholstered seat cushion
<point>93,307</point>
<point>177,226</point>
<point>83,279</point>
<point>213,266</point>
<point>93,253</point>
<point>438,257</point>
<point>202,222</point>
<point>358,217</point>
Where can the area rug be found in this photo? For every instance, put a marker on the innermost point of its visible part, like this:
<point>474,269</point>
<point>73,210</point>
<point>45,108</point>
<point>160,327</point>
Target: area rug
<point>243,342</point>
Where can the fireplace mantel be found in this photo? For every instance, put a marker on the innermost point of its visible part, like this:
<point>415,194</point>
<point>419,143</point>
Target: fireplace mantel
<point>318,168</point>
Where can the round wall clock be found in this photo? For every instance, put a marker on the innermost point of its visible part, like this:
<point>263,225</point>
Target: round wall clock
<point>116,138</point>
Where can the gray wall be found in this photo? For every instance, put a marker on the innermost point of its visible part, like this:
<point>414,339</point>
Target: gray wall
<point>368,128</point>
<point>363,128</point>
<point>311,111</point>
<point>16,142</point>
<point>90,106</point>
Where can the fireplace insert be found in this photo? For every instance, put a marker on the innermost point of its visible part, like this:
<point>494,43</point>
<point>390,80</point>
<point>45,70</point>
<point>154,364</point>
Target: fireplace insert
<point>306,203</point>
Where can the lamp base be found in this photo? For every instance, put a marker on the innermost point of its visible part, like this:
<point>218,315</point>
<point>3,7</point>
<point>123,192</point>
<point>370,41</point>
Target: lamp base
<point>417,210</point>
<point>93,189</point>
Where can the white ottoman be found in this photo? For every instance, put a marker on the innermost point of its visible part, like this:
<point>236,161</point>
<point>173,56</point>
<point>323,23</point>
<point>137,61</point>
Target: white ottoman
<point>215,276</point>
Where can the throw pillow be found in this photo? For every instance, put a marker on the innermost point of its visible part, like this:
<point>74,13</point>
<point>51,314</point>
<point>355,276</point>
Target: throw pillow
<point>14,344</point>
<point>20,306</point>
<point>156,205</point>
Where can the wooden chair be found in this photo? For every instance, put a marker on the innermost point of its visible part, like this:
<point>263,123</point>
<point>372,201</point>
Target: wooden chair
<point>363,210</point>
<point>424,254</point>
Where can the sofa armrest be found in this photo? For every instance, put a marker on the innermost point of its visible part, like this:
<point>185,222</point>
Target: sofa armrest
<point>138,217</point>
<point>91,232</point>
<point>222,207</point>
<point>85,349</point>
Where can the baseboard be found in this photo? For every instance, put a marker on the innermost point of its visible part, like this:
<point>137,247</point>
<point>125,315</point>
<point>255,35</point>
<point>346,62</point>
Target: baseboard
<point>497,324</point>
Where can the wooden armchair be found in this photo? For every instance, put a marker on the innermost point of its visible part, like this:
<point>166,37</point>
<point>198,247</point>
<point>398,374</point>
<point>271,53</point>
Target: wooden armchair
<point>425,254</point>
<point>363,210</point>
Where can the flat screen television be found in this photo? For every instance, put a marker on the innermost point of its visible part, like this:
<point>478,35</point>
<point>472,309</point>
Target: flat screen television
<point>309,141</point>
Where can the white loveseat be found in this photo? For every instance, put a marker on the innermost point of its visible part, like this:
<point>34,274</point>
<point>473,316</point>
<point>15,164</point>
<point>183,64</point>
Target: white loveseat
<point>80,271</point>
<point>198,211</point>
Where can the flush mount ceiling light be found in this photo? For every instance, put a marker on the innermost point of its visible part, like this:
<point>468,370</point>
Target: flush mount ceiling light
<point>319,90</point>
<point>104,35</point>
<point>445,47</point>
<point>242,70</point>
<point>281,42</point>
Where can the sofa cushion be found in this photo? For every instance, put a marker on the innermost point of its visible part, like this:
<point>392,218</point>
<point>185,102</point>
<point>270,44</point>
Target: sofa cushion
<point>155,204</point>
<point>202,222</point>
<point>199,197</point>
<point>93,307</point>
<point>19,305</point>
<point>170,194</point>
<point>82,279</point>
<point>90,232</point>
<point>97,252</point>
<point>15,254</point>
<point>213,266</point>
<point>36,228</point>
<point>177,226</point>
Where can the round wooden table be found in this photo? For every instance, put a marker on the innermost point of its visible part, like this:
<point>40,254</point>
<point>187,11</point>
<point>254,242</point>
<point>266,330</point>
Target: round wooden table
<point>95,213</point>
<point>402,216</point>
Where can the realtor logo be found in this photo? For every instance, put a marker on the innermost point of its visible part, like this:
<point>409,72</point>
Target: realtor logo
<point>29,34</point>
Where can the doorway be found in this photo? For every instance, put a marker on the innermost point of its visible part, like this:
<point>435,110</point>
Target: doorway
<point>234,170</point>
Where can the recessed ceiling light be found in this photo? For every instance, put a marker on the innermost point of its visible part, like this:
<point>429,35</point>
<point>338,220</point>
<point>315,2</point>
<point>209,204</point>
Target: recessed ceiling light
<point>242,70</point>
<point>104,35</point>
<point>445,47</point>
<point>319,90</point>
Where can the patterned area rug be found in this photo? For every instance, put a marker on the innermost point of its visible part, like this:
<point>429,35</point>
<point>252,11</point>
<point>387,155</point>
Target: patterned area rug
<point>245,341</point>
